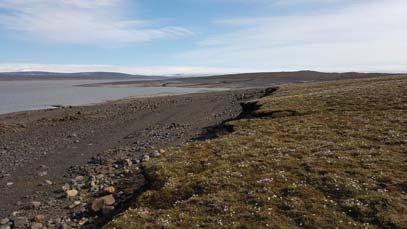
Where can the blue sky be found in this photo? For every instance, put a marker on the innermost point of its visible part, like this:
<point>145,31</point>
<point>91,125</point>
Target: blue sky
<point>203,36</point>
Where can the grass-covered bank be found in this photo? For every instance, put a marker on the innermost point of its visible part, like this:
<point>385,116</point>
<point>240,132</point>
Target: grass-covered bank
<point>314,155</point>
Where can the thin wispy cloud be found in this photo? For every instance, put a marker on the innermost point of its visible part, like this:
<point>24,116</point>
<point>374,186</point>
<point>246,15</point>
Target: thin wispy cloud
<point>367,35</point>
<point>97,22</point>
<point>248,35</point>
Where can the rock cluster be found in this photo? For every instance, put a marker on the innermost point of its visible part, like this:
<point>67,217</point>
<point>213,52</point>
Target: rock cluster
<point>92,194</point>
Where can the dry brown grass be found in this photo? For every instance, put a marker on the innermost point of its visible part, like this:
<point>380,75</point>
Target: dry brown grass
<point>320,155</point>
<point>7,128</point>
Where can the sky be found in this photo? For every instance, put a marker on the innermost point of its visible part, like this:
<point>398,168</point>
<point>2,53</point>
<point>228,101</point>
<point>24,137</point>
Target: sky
<point>166,37</point>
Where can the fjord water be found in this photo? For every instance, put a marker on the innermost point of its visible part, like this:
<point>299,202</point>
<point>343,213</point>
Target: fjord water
<point>22,95</point>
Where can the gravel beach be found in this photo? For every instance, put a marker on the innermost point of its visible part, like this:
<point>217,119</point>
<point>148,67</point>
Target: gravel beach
<point>56,162</point>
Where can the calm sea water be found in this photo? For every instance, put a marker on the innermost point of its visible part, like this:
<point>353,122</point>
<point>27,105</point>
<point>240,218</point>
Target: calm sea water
<point>42,94</point>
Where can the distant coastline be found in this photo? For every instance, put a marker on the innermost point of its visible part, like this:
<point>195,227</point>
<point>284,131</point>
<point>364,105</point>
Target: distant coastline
<point>243,80</point>
<point>35,75</point>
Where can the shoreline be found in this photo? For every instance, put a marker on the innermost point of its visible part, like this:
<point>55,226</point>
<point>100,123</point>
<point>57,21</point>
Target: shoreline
<point>124,99</point>
<point>58,145</point>
<point>43,95</point>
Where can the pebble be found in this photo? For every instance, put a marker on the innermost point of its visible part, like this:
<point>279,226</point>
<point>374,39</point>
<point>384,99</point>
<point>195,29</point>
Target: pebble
<point>42,173</point>
<point>10,183</point>
<point>75,204</point>
<point>21,222</point>
<point>155,153</point>
<point>65,226</point>
<point>83,221</point>
<point>93,184</point>
<point>79,179</point>
<point>36,226</point>
<point>4,221</point>
<point>66,187</point>
<point>146,158</point>
<point>73,135</point>
<point>39,218</point>
<point>128,162</point>
<point>101,202</point>
<point>100,176</point>
<point>48,182</point>
<point>35,204</point>
<point>72,193</point>
<point>109,189</point>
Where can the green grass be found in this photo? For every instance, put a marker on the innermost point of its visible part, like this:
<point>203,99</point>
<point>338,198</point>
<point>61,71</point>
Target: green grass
<point>322,155</point>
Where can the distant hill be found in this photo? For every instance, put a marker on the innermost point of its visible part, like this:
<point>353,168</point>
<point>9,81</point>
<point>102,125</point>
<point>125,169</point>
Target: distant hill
<point>249,80</point>
<point>37,75</point>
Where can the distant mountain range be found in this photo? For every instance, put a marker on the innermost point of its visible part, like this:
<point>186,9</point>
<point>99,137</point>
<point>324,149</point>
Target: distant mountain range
<point>34,75</point>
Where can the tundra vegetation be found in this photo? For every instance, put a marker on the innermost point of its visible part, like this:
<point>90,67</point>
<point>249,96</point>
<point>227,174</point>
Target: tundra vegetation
<point>315,155</point>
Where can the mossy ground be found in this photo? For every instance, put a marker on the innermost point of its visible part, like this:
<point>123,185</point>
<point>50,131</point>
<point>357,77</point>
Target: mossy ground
<point>315,155</point>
